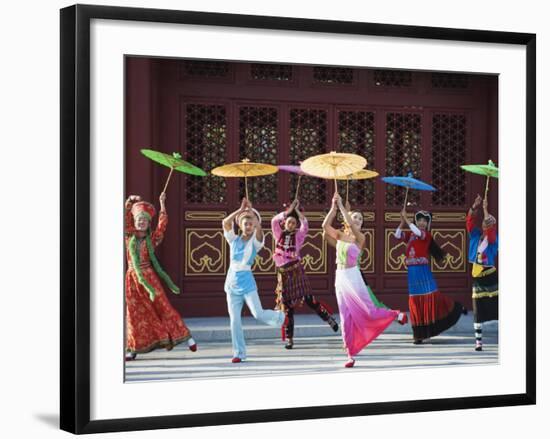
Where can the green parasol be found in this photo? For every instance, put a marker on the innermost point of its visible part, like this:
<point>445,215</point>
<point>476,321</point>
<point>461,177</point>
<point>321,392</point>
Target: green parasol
<point>174,162</point>
<point>489,170</point>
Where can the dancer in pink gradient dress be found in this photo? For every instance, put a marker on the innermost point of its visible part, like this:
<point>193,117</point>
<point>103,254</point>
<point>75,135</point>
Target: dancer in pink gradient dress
<point>360,319</point>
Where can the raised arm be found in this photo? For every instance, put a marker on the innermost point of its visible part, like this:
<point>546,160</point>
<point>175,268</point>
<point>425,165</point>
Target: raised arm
<point>329,232</point>
<point>471,217</point>
<point>399,231</point>
<point>491,231</point>
<point>276,225</point>
<point>227,222</point>
<point>304,226</point>
<point>158,234</point>
<point>128,217</point>
<point>258,232</point>
<point>347,218</point>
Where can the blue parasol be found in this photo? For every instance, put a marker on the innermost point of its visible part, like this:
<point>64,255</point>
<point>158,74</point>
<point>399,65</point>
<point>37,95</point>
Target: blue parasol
<point>410,183</point>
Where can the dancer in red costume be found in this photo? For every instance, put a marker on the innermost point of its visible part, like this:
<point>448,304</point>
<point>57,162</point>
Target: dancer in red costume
<point>151,321</point>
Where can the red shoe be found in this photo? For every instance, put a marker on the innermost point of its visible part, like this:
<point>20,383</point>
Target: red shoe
<point>236,360</point>
<point>404,320</point>
<point>193,347</point>
<point>283,328</point>
<point>350,363</point>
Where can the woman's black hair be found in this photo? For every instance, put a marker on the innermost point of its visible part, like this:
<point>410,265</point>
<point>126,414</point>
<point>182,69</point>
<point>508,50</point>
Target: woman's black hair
<point>294,214</point>
<point>435,250</point>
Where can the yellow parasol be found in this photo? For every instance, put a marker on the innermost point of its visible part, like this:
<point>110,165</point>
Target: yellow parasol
<point>333,165</point>
<point>363,174</point>
<point>245,168</point>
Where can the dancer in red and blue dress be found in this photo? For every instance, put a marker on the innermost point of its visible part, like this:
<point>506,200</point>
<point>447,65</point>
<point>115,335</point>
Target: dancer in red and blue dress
<point>431,312</point>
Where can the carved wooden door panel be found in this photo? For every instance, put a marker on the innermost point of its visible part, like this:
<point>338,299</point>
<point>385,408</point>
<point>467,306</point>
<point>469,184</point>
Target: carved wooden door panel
<point>217,112</point>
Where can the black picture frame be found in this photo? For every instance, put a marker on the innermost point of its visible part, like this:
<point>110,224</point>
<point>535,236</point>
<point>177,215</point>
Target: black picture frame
<point>75,217</point>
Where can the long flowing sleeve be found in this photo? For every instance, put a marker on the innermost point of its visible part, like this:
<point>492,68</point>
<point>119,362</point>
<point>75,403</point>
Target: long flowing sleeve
<point>128,222</point>
<point>158,234</point>
<point>420,233</point>
<point>276,225</point>
<point>470,222</point>
<point>301,233</point>
<point>491,234</point>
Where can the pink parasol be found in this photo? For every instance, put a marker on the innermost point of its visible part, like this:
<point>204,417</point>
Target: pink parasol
<point>294,169</point>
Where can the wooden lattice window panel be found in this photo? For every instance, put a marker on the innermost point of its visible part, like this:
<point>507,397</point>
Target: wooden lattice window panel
<point>356,135</point>
<point>258,142</point>
<point>392,78</point>
<point>450,80</point>
<point>403,154</point>
<point>206,69</point>
<point>271,72</point>
<point>333,75</point>
<point>206,144</point>
<point>308,137</point>
<point>448,153</point>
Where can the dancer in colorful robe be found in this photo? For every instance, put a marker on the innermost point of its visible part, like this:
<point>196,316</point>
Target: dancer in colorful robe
<point>482,252</point>
<point>151,321</point>
<point>431,312</point>
<point>360,319</point>
<point>240,286</point>
<point>289,229</point>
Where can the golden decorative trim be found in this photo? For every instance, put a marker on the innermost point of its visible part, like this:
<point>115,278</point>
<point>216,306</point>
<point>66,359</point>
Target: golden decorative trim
<point>264,263</point>
<point>218,215</point>
<point>204,265</point>
<point>449,217</point>
<point>313,256</point>
<point>484,294</point>
<point>437,217</point>
<point>394,257</point>
<point>367,258</point>
<point>204,215</point>
<point>454,261</point>
<point>395,217</point>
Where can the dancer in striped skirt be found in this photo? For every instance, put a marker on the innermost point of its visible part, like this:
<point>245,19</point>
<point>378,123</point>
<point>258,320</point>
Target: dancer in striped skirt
<point>482,252</point>
<point>289,229</point>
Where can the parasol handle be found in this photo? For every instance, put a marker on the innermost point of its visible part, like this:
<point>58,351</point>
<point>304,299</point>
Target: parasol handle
<point>487,187</point>
<point>297,187</point>
<point>406,196</point>
<point>246,187</point>
<point>335,186</point>
<point>167,180</point>
<point>347,191</point>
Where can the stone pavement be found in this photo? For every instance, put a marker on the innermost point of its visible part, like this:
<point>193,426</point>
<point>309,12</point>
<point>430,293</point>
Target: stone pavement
<point>316,350</point>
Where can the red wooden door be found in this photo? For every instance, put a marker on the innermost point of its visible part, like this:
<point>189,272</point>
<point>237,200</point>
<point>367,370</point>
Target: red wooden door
<point>216,112</point>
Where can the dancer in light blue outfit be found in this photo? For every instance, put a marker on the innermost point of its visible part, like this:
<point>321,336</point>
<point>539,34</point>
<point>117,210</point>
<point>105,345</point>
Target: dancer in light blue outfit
<point>240,286</point>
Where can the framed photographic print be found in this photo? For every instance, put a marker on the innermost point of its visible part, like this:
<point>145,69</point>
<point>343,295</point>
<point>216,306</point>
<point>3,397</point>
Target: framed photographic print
<point>278,217</point>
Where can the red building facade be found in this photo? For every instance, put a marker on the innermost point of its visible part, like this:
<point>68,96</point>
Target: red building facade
<point>216,112</point>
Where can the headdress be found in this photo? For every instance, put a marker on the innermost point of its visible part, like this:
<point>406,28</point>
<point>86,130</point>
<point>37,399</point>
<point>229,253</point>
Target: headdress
<point>489,221</point>
<point>247,212</point>
<point>143,207</point>
<point>424,214</point>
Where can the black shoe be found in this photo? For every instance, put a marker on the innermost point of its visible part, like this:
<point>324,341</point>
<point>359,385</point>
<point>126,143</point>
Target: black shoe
<point>417,341</point>
<point>464,311</point>
<point>289,344</point>
<point>333,324</point>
